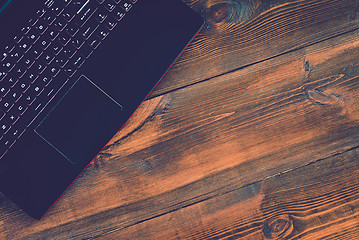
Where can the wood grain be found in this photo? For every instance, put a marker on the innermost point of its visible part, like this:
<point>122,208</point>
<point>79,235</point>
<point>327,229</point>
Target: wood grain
<point>243,32</point>
<point>318,201</point>
<point>201,152</point>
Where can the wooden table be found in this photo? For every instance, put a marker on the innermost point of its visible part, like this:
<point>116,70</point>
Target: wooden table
<point>253,134</point>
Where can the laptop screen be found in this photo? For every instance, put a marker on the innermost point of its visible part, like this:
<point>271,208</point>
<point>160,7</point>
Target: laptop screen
<point>3,4</point>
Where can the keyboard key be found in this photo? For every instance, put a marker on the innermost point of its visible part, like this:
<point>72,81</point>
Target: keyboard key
<point>36,89</point>
<point>61,60</point>
<point>101,14</point>
<point>72,29</point>
<point>70,69</point>
<point>41,12</point>
<point>47,57</point>
<point>10,80</point>
<point>4,127</point>
<point>110,22</point>
<point>6,104</point>
<point>44,79</point>
<point>25,29</point>
<point>28,62</point>
<point>60,23</point>
<point>32,21</point>
<point>8,65</point>
<point>41,26</point>
<point>4,90</point>
<point>8,48</point>
<point>49,18</point>
<point>126,5</point>
<point>102,32</point>
<point>68,16</point>
<point>110,5</point>
<point>17,38</point>
<point>77,41</point>
<point>11,117</point>
<point>30,76</point>
<point>119,13</point>
<point>52,33</point>
<point>64,38</point>
<point>29,99</point>
<point>14,94</point>
<point>7,142</point>
<point>44,42</point>
<point>85,13</point>
<point>20,108</point>
<point>20,70</point>
<point>16,54</point>
<point>33,35</point>
<point>89,28</point>
<point>24,45</point>
<point>16,132</point>
<point>54,69</point>
<point>78,60</point>
<point>94,41</point>
<point>69,50</point>
<point>35,52</point>
<point>55,47</point>
<point>23,86</point>
<point>57,7</point>
<point>40,66</point>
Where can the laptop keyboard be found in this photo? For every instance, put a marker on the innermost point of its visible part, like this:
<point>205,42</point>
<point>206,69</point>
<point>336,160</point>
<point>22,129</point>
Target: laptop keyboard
<point>46,53</point>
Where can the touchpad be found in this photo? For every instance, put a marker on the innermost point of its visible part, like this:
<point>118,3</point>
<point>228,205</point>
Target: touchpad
<point>82,122</point>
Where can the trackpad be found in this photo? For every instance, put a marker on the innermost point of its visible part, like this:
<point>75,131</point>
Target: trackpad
<point>82,122</point>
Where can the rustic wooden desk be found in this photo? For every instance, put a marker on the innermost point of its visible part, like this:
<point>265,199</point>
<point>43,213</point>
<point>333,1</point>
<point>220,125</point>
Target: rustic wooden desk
<point>253,134</point>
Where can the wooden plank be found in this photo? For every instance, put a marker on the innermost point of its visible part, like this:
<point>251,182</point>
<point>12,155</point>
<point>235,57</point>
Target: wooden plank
<point>318,201</point>
<point>242,32</point>
<point>210,139</point>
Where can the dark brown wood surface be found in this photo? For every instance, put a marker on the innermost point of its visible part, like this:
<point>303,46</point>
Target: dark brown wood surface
<point>252,134</point>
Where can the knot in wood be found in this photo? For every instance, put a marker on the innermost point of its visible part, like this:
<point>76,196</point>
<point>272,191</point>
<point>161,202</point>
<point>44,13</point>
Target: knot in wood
<point>321,98</point>
<point>217,13</point>
<point>278,227</point>
<point>224,15</point>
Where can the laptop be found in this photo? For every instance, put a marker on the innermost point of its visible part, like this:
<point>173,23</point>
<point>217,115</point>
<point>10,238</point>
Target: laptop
<point>72,72</point>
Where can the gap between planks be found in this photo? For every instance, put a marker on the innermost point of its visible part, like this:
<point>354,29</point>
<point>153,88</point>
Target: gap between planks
<point>252,64</point>
<point>224,193</point>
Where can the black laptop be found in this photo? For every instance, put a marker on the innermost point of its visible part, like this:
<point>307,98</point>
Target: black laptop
<point>71,74</point>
